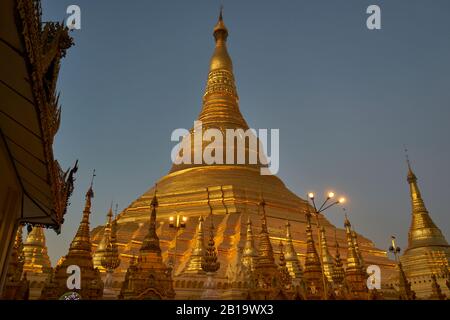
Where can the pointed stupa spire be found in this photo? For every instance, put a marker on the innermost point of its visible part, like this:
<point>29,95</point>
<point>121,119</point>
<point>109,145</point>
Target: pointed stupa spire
<point>423,231</point>
<point>110,259</point>
<point>221,101</point>
<point>355,275</point>
<point>265,252</point>
<point>35,252</point>
<point>313,269</point>
<point>357,250</point>
<point>250,254</point>
<point>81,241</point>
<point>210,263</point>
<point>327,259</point>
<point>194,264</point>
<point>151,240</point>
<point>292,262</point>
<point>105,240</point>
<point>220,108</point>
<point>339,272</point>
<point>352,256</point>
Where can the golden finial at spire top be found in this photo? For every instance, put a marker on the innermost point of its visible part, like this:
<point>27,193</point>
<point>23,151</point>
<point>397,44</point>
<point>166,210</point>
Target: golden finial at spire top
<point>154,202</point>
<point>110,212</point>
<point>220,30</point>
<point>411,175</point>
<point>90,192</point>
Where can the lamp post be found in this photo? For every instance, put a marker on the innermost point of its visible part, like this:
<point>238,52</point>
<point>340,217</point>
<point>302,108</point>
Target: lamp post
<point>394,249</point>
<point>177,223</point>
<point>327,204</point>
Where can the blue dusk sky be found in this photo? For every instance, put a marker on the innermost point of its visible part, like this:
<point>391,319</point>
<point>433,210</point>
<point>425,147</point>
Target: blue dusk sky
<point>345,99</point>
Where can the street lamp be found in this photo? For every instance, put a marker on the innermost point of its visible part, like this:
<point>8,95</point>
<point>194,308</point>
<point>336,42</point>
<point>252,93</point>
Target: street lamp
<point>394,249</point>
<point>327,204</point>
<point>177,223</point>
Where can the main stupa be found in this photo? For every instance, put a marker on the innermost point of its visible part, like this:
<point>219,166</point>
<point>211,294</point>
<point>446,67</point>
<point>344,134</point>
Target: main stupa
<point>232,193</point>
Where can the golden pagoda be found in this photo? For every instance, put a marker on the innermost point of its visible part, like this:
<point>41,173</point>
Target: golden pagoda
<point>338,273</point>
<point>355,275</point>
<point>36,261</point>
<point>312,273</point>
<point>149,278</point>
<point>232,193</point>
<point>250,254</point>
<point>327,259</point>
<point>79,255</point>
<point>428,252</point>
<point>106,238</point>
<point>292,262</point>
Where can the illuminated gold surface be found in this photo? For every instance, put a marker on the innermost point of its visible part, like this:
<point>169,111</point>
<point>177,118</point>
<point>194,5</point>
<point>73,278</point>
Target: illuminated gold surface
<point>234,192</point>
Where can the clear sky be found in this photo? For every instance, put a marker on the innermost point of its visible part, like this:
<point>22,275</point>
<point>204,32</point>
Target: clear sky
<point>346,99</point>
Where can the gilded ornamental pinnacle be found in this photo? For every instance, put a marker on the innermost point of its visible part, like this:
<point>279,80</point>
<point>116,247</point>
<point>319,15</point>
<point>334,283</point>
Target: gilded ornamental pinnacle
<point>266,258</point>
<point>194,264</point>
<point>327,259</point>
<point>292,262</point>
<point>151,240</point>
<point>210,263</point>
<point>355,275</point>
<point>313,269</point>
<point>250,254</point>
<point>339,272</point>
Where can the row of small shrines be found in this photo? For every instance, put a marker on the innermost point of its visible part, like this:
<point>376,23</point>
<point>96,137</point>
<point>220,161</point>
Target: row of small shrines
<point>258,273</point>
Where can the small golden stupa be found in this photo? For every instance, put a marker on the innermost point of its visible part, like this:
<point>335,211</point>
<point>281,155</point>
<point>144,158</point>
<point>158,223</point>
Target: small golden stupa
<point>36,261</point>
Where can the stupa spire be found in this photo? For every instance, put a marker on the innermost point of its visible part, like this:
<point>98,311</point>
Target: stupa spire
<point>250,253</point>
<point>194,264</point>
<point>352,256</point>
<point>100,251</point>
<point>313,269</point>
<point>423,231</point>
<point>151,240</point>
<point>81,241</point>
<point>327,259</point>
<point>221,101</point>
<point>210,263</point>
<point>355,276</point>
<point>110,260</point>
<point>80,254</point>
<point>339,272</point>
<point>266,257</point>
<point>292,262</point>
